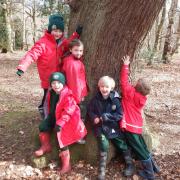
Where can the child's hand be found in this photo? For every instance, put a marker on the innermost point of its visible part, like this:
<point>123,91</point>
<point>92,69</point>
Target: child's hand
<point>96,120</point>
<point>126,60</point>
<point>19,72</point>
<point>79,29</point>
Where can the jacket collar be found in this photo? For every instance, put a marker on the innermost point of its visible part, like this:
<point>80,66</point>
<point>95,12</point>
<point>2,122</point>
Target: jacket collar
<point>113,94</point>
<point>51,37</point>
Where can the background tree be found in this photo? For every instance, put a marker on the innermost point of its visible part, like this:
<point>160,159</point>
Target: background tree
<point>168,44</point>
<point>6,20</point>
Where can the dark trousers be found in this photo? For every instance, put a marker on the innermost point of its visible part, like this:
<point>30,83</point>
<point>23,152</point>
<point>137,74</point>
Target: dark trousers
<point>44,98</point>
<point>47,125</point>
<point>118,142</point>
<point>83,109</point>
<point>138,145</point>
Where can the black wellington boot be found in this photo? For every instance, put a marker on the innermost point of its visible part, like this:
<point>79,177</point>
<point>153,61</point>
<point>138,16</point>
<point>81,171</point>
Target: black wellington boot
<point>102,166</point>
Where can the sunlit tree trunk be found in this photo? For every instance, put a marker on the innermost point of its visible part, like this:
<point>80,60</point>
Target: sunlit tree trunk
<point>167,44</point>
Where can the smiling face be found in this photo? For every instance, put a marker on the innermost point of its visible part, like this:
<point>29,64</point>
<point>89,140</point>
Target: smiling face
<point>105,90</point>
<point>77,51</point>
<point>57,33</point>
<point>57,86</point>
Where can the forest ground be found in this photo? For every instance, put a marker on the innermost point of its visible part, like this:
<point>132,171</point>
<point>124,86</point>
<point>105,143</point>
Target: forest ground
<point>19,98</point>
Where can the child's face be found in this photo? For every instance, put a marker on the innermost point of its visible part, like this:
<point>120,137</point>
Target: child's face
<point>57,33</point>
<point>57,86</point>
<point>77,51</point>
<point>105,89</point>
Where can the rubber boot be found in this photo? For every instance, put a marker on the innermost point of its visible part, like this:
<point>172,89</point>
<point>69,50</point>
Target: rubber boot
<point>65,161</point>
<point>45,144</point>
<point>148,172</point>
<point>129,170</point>
<point>102,166</point>
<point>155,166</point>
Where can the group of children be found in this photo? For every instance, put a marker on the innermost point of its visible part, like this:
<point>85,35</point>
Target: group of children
<point>62,74</point>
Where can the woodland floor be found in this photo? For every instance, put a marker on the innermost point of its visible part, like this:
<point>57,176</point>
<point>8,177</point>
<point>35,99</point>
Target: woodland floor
<point>19,98</point>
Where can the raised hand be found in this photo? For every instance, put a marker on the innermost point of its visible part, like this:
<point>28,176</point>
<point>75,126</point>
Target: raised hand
<point>126,60</point>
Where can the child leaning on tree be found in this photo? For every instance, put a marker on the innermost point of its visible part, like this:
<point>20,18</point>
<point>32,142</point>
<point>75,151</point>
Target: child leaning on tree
<point>74,70</point>
<point>64,116</point>
<point>133,101</point>
<point>47,52</point>
<point>105,113</point>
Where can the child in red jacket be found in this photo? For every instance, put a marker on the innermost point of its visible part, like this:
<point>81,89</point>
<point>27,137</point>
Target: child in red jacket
<point>133,101</point>
<point>64,116</point>
<point>47,52</point>
<point>74,70</point>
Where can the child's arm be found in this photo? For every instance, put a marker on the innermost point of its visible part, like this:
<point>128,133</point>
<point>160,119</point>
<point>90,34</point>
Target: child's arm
<point>116,113</point>
<point>126,87</point>
<point>68,110</point>
<point>32,55</point>
<point>75,35</point>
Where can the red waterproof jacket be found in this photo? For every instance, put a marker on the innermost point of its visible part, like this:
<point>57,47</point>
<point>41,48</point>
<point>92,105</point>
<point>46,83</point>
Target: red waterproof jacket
<point>132,102</point>
<point>69,118</point>
<point>47,54</point>
<point>75,76</point>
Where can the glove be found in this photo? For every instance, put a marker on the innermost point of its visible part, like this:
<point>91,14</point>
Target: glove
<point>79,29</point>
<point>57,128</point>
<point>19,72</point>
<point>104,117</point>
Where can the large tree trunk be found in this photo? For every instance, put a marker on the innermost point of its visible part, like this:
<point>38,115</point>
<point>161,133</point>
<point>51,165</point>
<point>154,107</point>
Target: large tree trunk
<point>167,44</point>
<point>112,29</point>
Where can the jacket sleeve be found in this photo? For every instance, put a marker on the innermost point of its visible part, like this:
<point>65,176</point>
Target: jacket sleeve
<point>68,110</point>
<point>114,115</point>
<point>66,42</point>
<point>91,110</point>
<point>31,56</point>
<point>126,88</point>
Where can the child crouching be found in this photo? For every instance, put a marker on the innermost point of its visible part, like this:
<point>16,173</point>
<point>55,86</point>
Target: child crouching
<point>105,112</point>
<point>64,116</point>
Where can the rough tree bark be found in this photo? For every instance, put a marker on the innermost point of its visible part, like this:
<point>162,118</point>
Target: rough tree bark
<point>167,44</point>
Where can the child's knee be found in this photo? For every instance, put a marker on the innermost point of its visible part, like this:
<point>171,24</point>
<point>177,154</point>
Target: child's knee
<point>103,143</point>
<point>43,127</point>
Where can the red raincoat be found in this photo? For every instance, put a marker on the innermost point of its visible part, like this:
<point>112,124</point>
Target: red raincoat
<point>75,76</point>
<point>132,103</point>
<point>47,54</point>
<point>69,118</point>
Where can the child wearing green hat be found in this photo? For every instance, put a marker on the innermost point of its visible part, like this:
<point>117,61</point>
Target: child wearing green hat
<point>47,52</point>
<point>64,117</point>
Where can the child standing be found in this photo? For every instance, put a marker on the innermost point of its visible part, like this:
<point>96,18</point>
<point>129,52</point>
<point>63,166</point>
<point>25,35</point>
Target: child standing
<point>105,112</point>
<point>133,100</point>
<point>47,52</point>
<point>74,70</point>
<point>64,116</point>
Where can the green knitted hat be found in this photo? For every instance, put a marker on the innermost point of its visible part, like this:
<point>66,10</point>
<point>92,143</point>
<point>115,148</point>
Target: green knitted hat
<point>56,21</point>
<point>57,76</point>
